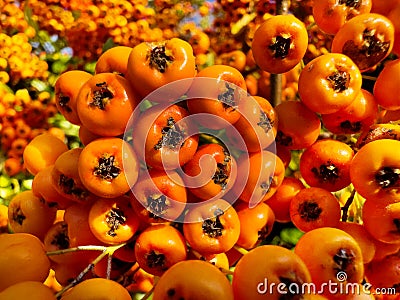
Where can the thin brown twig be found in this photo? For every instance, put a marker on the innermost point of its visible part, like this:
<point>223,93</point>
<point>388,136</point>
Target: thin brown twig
<point>347,205</point>
<point>106,251</point>
<point>150,292</point>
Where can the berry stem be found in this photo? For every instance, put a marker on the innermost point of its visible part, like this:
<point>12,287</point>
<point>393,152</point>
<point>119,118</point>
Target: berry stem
<point>241,250</point>
<point>150,292</point>
<point>105,251</point>
<point>75,249</point>
<point>127,278</point>
<point>347,205</point>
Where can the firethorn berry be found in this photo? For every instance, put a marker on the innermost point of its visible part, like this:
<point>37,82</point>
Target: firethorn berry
<point>23,258</point>
<point>384,249</point>
<point>382,273</point>
<point>280,201</point>
<point>42,186</point>
<point>374,170</point>
<point>209,282</point>
<point>221,98</point>
<point>284,154</point>
<point>66,91</point>
<point>377,132</point>
<point>257,125</point>
<point>30,214</point>
<point>327,251</point>
<point>381,220</point>
<point>212,171</point>
<point>42,151</point>
<point>279,43</point>
<point>105,103</point>
<point>236,59</point>
<point>3,218</point>
<point>385,88</point>
<point>265,174</point>
<point>142,282</point>
<point>330,15</point>
<point>65,177</point>
<point>76,218</point>
<point>298,126</point>
<point>160,137</point>
<point>114,60</point>
<point>66,272</point>
<point>313,208</point>
<point>212,227</point>
<point>159,247</point>
<point>127,252</point>
<point>108,167</point>
<point>363,238</point>
<point>366,39</point>
<point>86,136</point>
<point>251,84</point>
<point>255,223</point>
<point>96,288</point>
<point>384,7</point>
<point>113,221</point>
<point>12,166</point>
<point>219,260</point>
<point>329,83</point>
<point>159,197</point>
<point>357,117</point>
<point>153,65</point>
<point>57,239</point>
<point>254,274</point>
<point>28,290</point>
<point>200,42</point>
<point>326,164</point>
<point>18,146</point>
<point>392,16</point>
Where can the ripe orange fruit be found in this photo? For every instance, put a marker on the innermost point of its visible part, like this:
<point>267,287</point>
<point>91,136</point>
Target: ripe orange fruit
<point>22,258</point>
<point>96,289</point>
<point>31,290</point>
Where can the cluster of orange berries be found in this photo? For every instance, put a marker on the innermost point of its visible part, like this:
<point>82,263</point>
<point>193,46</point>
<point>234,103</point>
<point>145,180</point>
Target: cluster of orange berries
<point>21,119</point>
<point>17,62</point>
<point>248,15</point>
<point>228,14</point>
<point>318,43</point>
<point>12,19</point>
<point>126,22</point>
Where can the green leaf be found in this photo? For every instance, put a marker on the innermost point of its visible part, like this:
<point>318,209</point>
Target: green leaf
<point>90,67</point>
<point>27,184</point>
<point>58,67</point>
<point>145,105</point>
<point>6,88</point>
<point>6,193</point>
<point>4,181</point>
<point>76,14</point>
<point>108,44</point>
<point>291,235</point>
<point>243,22</point>
<point>15,185</point>
<point>39,85</point>
<point>28,17</point>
